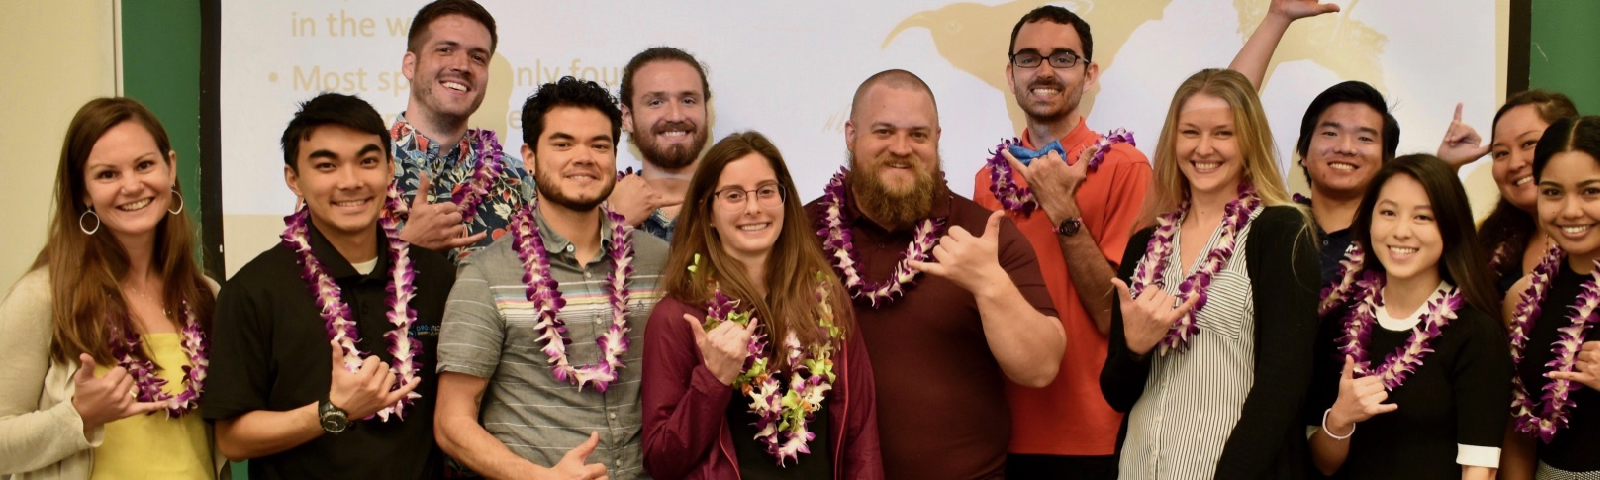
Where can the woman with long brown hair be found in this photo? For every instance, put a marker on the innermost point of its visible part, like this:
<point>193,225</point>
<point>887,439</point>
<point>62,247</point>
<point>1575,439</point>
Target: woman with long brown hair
<point>103,360</point>
<point>752,366</point>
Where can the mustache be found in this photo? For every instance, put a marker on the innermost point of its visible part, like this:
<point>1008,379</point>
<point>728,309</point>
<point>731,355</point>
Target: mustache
<point>663,127</point>
<point>1047,83</point>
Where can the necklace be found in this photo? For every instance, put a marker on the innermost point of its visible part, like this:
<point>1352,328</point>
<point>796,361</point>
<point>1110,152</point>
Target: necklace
<point>1402,362</point>
<point>836,243</point>
<point>1160,248</point>
<point>1019,199</point>
<point>1548,415</point>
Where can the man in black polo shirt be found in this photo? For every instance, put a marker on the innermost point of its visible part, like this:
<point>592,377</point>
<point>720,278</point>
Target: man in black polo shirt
<point>285,391</point>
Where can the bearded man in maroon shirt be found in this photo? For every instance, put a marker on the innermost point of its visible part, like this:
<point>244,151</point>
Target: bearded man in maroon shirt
<point>948,295</point>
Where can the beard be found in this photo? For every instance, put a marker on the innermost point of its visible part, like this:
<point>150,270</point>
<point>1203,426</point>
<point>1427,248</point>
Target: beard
<point>548,188</point>
<point>1048,113</point>
<point>891,208</point>
<point>670,157</point>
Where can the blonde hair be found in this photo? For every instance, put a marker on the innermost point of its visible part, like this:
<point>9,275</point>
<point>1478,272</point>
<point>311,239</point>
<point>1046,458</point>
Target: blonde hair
<point>1169,188</point>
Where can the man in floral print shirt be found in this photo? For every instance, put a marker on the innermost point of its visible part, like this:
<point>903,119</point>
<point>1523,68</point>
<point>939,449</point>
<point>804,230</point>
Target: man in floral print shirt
<point>447,62</point>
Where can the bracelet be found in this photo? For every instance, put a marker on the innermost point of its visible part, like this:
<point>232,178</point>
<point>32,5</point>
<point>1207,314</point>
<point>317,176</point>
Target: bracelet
<point>1330,434</point>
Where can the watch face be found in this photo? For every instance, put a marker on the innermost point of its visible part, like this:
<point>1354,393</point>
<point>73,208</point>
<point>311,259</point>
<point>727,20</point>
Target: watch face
<point>1069,227</point>
<point>333,422</point>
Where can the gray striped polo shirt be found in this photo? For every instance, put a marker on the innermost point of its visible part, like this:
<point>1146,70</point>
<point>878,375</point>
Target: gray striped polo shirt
<point>488,333</point>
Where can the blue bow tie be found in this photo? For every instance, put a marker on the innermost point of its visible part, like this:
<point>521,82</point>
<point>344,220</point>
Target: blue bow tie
<point>1026,156</point>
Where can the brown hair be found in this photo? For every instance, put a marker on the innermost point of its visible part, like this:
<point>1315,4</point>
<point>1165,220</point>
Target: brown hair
<point>793,269</point>
<point>86,300</point>
<point>1508,229</point>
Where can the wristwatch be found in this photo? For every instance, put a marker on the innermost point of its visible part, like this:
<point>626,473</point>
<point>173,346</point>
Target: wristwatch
<point>1069,227</point>
<point>333,419</point>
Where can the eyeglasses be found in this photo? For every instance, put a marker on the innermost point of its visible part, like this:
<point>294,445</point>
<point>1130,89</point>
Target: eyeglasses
<point>1031,58</point>
<point>733,198</point>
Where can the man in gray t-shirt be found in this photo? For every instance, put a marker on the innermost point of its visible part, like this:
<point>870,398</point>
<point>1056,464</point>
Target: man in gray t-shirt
<point>540,379</point>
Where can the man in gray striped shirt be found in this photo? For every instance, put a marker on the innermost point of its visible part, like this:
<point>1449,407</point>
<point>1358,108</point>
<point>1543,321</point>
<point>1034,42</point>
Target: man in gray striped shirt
<point>503,411</point>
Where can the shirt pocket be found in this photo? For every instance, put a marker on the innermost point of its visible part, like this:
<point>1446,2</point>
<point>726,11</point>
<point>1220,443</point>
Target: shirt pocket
<point>1227,305</point>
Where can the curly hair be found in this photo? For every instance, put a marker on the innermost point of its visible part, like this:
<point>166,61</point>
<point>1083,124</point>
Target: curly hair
<point>567,92</point>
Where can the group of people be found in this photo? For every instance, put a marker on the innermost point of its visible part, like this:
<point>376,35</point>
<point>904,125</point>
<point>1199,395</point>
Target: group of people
<point>1090,314</point>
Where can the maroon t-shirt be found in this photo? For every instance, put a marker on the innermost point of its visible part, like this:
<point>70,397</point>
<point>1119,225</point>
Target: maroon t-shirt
<point>941,394</point>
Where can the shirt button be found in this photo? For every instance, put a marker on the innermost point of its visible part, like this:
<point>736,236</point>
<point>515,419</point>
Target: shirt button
<point>613,416</point>
<point>569,248</point>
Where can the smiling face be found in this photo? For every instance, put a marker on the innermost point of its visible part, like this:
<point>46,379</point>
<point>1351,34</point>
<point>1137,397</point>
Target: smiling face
<point>1047,93</point>
<point>449,73</point>
<point>1569,204</point>
<point>575,159</point>
<point>1346,150</point>
<point>1515,136</point>
<point>668,118</point>
<point>1404,232</point>
<point>1207,146</point>
<point>128,182</point>
<point>893,139</point>
<point>343,175</point>
<point>747,209</point>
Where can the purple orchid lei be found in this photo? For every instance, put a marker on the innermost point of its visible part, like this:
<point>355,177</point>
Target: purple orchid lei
<point>1549,415</point>
<point>1404,360</point>
<point>476,189</point>
<point>336,314</point>
<point>544,292</point>
<point>836,243</point>
<point>194,343</point>
<point>1019,199</point>
<point>1159,250</point>
<point>782,415</point>
<point>1348,273</point>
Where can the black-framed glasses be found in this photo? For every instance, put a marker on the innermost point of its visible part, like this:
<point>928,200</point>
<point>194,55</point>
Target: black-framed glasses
<point>1031,58</point>
<point>734,198</point>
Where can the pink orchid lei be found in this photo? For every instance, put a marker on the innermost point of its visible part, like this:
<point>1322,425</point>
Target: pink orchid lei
<point>1160,248</point>
<point>544,292</point>
<point>782,415</point>
<point>476,189</point>
<point>1019,199</point>
<point>836,243</point>
<point>1350,269</point>
<point>1403,361</point>
<point>1548,415</point>
<point>336,314</point>
<point>194,343</point>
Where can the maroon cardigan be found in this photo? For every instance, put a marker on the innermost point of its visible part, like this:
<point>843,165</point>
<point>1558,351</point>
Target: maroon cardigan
<point>686,431</point>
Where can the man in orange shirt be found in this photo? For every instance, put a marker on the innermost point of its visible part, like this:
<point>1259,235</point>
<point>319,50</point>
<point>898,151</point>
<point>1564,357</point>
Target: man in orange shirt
<point>1078,220</point>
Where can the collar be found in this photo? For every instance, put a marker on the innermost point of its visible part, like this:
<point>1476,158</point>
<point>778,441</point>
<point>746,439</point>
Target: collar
<point>409,138</point>
<point>554,242</point>
<point>336,265</point>
<point>1079,136</point>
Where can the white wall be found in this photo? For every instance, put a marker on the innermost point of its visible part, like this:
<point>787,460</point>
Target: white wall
<point>59,55</point>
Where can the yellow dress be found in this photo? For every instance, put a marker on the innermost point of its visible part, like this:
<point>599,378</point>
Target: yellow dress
<point>153,446</point>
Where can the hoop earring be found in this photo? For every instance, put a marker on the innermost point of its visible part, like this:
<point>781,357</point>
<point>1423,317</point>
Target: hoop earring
<point>86,230</point>
<point>179,196</point>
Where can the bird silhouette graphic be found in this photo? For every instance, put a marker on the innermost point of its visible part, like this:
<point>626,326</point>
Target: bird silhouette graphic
<point>973,37</point>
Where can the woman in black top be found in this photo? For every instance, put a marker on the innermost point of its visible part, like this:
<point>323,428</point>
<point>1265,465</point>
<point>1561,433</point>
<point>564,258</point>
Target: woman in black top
<point>1510,234</point>
<point>1555,405</point>
<point>1218,394</point>
<point>1425,368</point>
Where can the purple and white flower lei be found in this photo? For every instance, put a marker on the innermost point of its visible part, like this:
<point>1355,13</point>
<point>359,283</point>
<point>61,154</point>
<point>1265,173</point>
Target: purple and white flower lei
<point>1403,361</point>
<point>1234,218</point>
<point>1350,269</point>
<point>336,314</point>
<point>1019,199</point>
<point>836,243</point>
<point>148,385</point>
<point>490,155</point>
<point>1549,414</point>
<point>544,292</point>
<point>782,415</point>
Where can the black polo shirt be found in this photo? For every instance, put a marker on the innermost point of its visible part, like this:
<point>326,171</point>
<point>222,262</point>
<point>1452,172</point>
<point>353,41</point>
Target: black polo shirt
<point>1333,245</point>
<point>269,351</point>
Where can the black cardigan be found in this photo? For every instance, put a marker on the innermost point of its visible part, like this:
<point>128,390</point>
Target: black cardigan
<point>1282,259</point>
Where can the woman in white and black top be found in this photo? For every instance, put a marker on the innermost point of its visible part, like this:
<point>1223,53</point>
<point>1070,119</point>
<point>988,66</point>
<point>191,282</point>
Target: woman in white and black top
<point>1412,378</point>
<point>1216,394</point>
<point>1555,341</point>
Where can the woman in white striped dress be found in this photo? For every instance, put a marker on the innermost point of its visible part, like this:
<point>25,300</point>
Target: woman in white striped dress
<point>1210,349</point>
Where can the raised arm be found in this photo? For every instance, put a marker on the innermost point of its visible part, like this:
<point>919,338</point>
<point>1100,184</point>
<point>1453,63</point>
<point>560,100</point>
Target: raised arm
<point>1255,57</point>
